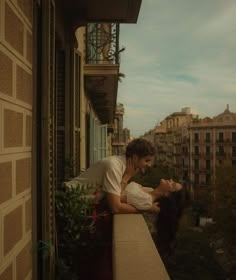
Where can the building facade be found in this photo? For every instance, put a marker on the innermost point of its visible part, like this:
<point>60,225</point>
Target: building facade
<point>121,136</point>
<point>194,147</point>
<point>58,93</point>
<point>212,142</point>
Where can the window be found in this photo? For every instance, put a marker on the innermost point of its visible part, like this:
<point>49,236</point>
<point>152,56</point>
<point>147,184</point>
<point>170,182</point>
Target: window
<point>196,164</point>
<point>221,150</point>
<point>196,137</point>
<point>208,150</point>
<point>208,179</point>
<point>234,137</point>
<point>196,150</point>
<point>208,137</point>
<point>234,162</point>
<point>196,179</point>
<point>234,151</point>
<point>208,164</point>
<point>221,136</point>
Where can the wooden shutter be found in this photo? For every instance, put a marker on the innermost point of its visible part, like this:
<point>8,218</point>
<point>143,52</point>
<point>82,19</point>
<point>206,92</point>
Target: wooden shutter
<point>96,140</point>
<point>48,138</point>
<point>88,140</point>
<point>73,155</point>
<point>102,144</point>
<point>76,127</point>
<point>91,137</point>
<point>60,117</point>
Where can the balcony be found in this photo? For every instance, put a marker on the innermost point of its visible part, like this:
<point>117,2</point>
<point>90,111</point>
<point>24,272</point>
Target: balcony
<point>134,253</point>
<point>220,154</point>
<point>101,69</point>
<point>207,155</point>
<point>123,238</point>
<point>205,169</point>
<point>80,12</point>
<point>196,154</point>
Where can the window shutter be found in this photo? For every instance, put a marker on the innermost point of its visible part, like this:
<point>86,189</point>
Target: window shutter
<point>48,138</point>
<point>76,128</point>
<point>91,137</point>
<point>102,144</point>
<point>60,118</point>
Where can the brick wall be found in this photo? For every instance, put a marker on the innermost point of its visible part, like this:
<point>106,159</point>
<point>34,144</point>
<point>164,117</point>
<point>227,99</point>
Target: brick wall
<point>15,139</point>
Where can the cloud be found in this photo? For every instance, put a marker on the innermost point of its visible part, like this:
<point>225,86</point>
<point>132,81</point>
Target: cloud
<point>181,53</point>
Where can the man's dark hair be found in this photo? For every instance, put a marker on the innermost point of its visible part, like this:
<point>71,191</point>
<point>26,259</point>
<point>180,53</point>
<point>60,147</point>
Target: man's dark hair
<point>140,147</point>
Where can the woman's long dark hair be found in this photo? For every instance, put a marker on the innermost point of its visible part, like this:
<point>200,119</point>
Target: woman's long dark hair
<point>168,221</point>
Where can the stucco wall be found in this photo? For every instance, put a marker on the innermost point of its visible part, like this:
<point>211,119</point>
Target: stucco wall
<point>15,139</point>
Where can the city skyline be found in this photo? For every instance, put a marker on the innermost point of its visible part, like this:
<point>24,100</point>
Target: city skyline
<point>179,54</point>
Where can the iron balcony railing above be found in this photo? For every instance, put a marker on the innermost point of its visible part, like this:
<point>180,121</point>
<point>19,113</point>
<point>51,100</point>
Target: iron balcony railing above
<point>102,43</point>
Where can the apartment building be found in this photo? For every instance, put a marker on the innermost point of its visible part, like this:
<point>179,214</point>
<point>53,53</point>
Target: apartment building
<point>168,137</point>
<point>194,147</point>
<point>121,136</point>
<point>59,68</point>
<point>212,142</point>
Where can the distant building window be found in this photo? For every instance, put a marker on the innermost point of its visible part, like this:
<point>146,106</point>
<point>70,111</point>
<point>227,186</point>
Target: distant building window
<point>185,174</point>
<point>208,164</point>
<point>221,136</point>
<point>234,151</point>
<point>208,179</point>
<point>208,137</point>
<point>221,150</point>
<point>208,150</point>
<point>196,179</point>
<point>234,137</point>
<point>234,162</point>
<point>196,150</point>
<point>196,137</point>
<point>196,164</point>
<point>220,162</point>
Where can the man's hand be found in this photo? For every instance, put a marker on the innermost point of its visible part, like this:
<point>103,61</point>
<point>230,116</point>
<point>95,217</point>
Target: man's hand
<point>131,169</point>
<point>155,208</point>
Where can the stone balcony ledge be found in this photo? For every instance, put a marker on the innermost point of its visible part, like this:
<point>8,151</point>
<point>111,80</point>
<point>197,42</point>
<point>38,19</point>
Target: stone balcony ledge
<point>135,256</point>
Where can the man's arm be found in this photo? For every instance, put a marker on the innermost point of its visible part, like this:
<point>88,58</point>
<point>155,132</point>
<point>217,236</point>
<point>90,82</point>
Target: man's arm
<point>118,207</point>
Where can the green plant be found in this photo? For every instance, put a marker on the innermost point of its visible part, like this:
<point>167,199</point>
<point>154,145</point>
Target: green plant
<point>75,210</point>
<point>76,223</point>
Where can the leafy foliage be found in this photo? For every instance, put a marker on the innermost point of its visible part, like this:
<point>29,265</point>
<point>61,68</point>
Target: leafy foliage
<point>202,203</point>
<point>74,211</point>
<point>225,204</point>
<point>193,258</point>
<point>76,222</point>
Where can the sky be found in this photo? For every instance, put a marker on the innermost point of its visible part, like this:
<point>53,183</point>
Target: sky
<point>181,53</point>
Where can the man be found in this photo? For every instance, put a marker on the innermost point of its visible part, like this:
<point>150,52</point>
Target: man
<point>114,173</point>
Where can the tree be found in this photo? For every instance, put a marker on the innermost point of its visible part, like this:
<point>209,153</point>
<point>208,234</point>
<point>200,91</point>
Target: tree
<point>121,76</point>
<point>225,204</point>
<point>202,203</point>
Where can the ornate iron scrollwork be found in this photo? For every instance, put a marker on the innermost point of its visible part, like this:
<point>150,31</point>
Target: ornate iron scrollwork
<point>102,43</point>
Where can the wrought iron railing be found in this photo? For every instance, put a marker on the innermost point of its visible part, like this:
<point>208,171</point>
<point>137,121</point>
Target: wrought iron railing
<point>102,43</point>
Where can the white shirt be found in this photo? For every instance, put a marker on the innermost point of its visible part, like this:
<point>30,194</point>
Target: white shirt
<point>106,173</point>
